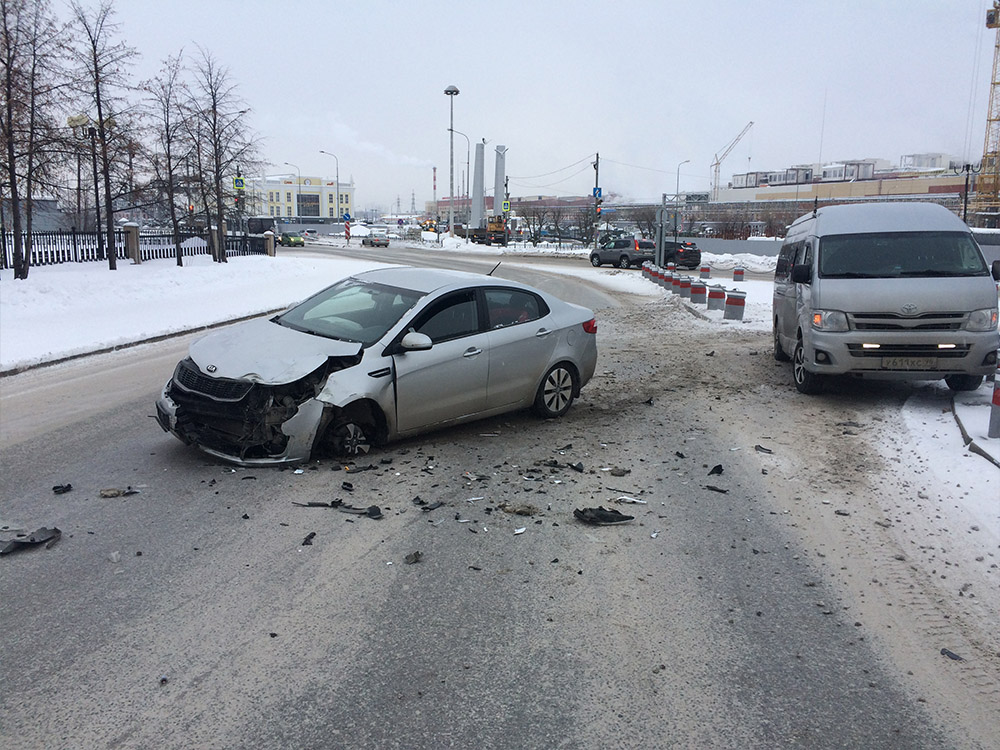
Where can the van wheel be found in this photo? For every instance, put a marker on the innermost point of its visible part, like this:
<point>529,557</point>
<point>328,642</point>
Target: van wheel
<point>779,353</point>
<point>806,382</point>
<point>623,262</point>
<point>595,261</point>
<point>964,382</point>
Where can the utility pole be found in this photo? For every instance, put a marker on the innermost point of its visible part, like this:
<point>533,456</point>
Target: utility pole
<point>597,199</point>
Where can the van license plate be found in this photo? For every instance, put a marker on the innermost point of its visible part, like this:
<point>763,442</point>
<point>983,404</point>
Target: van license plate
<point>909,363</point>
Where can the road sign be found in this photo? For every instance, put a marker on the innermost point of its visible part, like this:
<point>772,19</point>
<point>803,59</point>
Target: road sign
<point>347,217</point>
<point>399,222</point>
<point>506,206</point>
<point>239,183</point>
<point>597,192</point>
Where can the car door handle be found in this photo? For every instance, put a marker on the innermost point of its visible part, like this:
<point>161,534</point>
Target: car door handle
<point>472,352</point>
<point>543,332</point>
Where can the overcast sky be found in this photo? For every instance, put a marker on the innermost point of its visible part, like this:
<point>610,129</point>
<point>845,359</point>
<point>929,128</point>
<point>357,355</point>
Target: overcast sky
<point>645,83</point>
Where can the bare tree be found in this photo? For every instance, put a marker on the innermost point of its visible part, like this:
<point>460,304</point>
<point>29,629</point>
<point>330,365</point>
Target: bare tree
<point>645,220</point>
<point>103,64</point>
<point>223,142</point>
<point>166,95</point>
<point>30,57</point>
<point>535,215</point>
<point>558,216</point>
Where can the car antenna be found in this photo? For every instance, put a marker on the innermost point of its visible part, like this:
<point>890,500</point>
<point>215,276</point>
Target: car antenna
<point>815,205</point>
<point>494,268</point>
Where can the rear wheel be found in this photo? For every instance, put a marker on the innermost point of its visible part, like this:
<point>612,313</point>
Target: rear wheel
<point>964,382</point>
<point>624,262</point>
<point>806,382</point>
<point>595,261</point>
<point>555,394</point>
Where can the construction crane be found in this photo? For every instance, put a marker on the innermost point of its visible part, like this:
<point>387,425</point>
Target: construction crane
<point>988,182</point>
<point>719,159</point>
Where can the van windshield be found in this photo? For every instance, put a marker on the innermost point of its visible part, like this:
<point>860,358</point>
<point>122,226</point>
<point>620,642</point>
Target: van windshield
<point>886,255</point>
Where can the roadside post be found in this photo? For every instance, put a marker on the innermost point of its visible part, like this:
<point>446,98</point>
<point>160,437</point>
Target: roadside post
<point>994,430</point>
<point>735,305</point>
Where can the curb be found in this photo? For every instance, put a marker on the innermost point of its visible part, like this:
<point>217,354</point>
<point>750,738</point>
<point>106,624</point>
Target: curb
<point>131,344</point>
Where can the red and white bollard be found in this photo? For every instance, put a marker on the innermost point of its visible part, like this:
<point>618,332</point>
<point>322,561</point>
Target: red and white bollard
<point>706,272</point>
<point>685,287</point>
<point>716,298</point>
<point>737,274</point>
<point>735,305</point>
<point>994,431</point>
<point>698,292</point>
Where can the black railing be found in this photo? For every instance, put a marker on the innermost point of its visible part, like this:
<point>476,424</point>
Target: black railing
<point>159,244</point>
<point>49,248</point>
<point>245,244</point>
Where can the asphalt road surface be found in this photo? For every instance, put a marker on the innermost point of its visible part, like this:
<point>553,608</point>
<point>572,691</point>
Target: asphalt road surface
<point>735,610</point>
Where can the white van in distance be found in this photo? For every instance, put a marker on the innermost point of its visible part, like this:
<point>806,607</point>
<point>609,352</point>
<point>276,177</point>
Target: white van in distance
<point>885,290</point>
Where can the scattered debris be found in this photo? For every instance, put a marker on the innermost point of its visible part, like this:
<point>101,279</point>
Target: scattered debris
<point>649,401</point>
<point>413,557</point>
<point>654,534</point>
<point>432,506</point>
<point>243,479</point>
<point>163,679</point>
<point>309,539</point>
<point>713,488</point>
<point>347,487</point>
<point>951,655</point>
<point>856,425</point>
<point>678,454</point>
<point>578,466</point>
<point>711,353</point>
<point>618,472</point>
<point>44,535</point>
<point>564,448</point>
<point>717,469</point>
<point>601,516</point>
<point>115,556</point>
<point>520,530</point>
<point>761,449</point>
<point>299,471</point>
<point>62,489</point>
<point>372,511</point>
<point>632,500</point>
<point>519,510</point>
<point>842,512</point>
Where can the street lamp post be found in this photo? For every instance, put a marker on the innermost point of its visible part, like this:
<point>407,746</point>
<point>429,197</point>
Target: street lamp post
<point>340,216</point>
<point>298,186</point>
<point>451,92</point>
<point>468,177</point>
<point>87,130</point>
<point>677,191</point>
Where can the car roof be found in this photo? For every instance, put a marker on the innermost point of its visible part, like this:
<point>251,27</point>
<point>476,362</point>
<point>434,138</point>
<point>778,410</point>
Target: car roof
<point>857,218</point>
<point>426,280</point>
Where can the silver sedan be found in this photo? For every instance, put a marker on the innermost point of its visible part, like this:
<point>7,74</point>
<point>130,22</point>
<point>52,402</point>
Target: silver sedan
<point>378,356</point>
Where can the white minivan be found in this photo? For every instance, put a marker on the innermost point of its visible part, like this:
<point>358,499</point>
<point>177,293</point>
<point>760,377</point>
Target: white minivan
<point>885,290</point>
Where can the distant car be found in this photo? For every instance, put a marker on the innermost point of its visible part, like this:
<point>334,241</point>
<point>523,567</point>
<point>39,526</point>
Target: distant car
<point>624,252</point>
<point>381,355</point>
<point>682,254</point>
<point>375,240</point>
<point>291,239</point>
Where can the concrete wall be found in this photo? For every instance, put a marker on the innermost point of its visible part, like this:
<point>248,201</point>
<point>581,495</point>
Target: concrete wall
<point>768,248</point>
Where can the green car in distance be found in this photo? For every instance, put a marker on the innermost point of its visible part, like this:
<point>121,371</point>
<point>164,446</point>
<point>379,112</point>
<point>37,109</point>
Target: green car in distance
<point>291,239</point>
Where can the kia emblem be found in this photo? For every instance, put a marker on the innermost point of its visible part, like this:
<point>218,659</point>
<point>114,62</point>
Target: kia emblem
<point>211,368</point>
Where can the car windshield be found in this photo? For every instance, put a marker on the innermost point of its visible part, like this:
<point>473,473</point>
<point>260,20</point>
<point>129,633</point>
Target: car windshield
<point>897,254</point>
<point>292,234</point>
<point>351,310</point>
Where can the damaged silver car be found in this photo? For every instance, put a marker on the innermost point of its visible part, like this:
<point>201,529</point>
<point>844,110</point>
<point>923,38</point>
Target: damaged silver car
<point>378,356</point>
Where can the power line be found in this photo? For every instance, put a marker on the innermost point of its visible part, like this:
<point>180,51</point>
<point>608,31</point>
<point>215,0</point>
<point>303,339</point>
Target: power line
<point>588,157</point>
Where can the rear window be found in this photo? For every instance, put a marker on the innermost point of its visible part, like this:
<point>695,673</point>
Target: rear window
<point>882,255</point>
<point>646,245</point>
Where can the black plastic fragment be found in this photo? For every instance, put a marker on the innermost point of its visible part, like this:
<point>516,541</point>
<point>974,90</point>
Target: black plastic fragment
<point>432,506</point>
<point>716,489</point>
<point>717,469</point>
<point>601,516</point>
<point>62,489</point>
<point>761,449</point>
<point>309,538</point>
<point>413,557</point>
<point>951,655</point>
<point>44,535</point>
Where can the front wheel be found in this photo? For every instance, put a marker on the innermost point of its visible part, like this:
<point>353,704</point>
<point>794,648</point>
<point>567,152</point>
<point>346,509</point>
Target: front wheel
<point>595,261</point>
<point>555,394</point>
<point>349,438</point>
<point>806,382</point>
<point>624,262</point>
<point>964,382</point>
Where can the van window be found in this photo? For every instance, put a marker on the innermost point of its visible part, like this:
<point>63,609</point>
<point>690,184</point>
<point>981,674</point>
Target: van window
<point>895,254</point>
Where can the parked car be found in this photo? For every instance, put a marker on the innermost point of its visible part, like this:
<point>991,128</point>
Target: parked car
<point>378,356</point>
<point>682,254</point>
<point>291,239</point>
<point>375,240</point>
<point>885,290</point>
<point>624,252</point>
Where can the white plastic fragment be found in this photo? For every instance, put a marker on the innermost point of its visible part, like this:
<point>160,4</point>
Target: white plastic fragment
<point>473,499</point>
<point>115,557</point>
<point>520,530</point>
<point>627,499</point>
<point>299,471</point>
<point>654,534</point>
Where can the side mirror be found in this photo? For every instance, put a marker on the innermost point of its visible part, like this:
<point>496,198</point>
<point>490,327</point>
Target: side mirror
<point>415,342</point>
<point>996,270</point>
<point>802,274</point>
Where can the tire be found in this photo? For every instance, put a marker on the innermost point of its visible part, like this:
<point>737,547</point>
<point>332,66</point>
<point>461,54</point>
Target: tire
<point>556,393</point>
<point>964,382</point>
<point>624,262</point>
<point>349,438</point>
<point>779,353</point>
<point>806,382</point>
<point>595,261</point>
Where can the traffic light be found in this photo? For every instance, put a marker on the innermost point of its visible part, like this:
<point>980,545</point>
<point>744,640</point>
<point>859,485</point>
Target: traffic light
<point>597,205</point>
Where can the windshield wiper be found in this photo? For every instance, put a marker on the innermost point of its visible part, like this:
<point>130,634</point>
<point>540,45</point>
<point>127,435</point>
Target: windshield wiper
<point>850,275</point>
<point>933,273</point>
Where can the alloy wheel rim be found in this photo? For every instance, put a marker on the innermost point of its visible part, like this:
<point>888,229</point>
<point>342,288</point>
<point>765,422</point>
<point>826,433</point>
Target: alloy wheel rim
<point>558,387</point>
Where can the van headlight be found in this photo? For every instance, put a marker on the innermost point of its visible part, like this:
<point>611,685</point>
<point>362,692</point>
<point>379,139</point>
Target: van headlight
<point>982,320</point>
<point>829,320</point>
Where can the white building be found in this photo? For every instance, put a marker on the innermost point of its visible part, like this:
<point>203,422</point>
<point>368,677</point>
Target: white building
<point>301,198</point>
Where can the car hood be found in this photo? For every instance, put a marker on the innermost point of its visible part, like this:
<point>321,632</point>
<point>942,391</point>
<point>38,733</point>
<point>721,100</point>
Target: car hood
<point>265,352</point>
<point>919,295</point>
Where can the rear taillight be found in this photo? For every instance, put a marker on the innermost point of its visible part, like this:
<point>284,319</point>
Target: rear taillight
<point>590,326</point>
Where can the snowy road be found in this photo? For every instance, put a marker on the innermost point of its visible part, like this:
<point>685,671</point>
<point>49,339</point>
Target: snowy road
<point>803,601</point>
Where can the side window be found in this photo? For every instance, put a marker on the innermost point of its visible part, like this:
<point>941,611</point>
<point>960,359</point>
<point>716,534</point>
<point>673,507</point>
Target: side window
<point>450,318</point>
<point>509,307</point>
<point>784,268</point>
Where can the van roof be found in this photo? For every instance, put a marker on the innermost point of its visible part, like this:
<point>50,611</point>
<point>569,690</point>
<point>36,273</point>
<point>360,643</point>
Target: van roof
<point>857,218</point>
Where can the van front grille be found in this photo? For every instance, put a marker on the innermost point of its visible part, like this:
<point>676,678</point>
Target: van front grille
<point>893,322</point>
<point>910,350</point>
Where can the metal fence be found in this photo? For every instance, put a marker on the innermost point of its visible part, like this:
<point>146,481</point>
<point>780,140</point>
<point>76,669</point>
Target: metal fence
<point>49,248</point>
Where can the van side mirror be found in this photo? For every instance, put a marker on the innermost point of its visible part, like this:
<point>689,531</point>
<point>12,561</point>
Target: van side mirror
<point>802,274</point>
<point>996,270</point>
